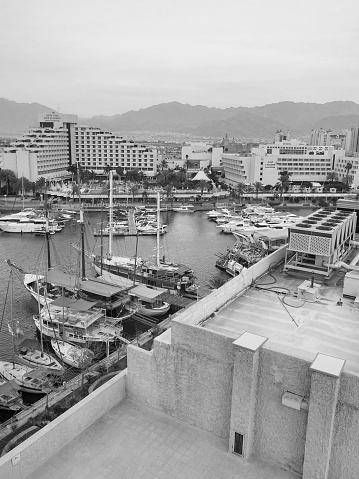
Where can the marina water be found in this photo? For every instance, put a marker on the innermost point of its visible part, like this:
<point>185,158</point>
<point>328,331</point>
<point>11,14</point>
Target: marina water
<point>191,239</point>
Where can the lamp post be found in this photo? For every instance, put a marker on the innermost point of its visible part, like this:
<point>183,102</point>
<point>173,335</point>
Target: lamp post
<point>5,199</point>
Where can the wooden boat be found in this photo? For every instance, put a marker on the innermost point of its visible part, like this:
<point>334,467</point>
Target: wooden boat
<point>71,354</point>
<point>78,321</point>
<point>30,354</point>
<point>30,380</point>
<point>148,301</point>
<point>10,399</point>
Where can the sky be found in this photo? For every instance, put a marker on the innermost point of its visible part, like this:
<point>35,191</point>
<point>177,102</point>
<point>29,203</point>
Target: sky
<point>106,57</point>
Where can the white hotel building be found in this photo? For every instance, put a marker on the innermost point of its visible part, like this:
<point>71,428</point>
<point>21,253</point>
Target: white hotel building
<point>304,162</point>
<point>96,149</point>
<point>58,142</point>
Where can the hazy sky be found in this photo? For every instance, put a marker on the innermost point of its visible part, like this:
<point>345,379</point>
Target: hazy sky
<point>105,57</point>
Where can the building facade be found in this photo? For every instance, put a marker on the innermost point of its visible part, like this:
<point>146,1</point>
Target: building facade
<point>97,149</point>
<point>45,151</point>
<point>304,162</point>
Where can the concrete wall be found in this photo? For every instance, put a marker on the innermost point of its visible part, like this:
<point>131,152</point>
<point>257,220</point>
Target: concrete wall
<point>344,462</point>
<point>280,431</point>
<point>43,444</point>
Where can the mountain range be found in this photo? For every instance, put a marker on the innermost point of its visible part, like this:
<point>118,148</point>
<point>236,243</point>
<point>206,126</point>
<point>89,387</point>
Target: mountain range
<point>237,122</point>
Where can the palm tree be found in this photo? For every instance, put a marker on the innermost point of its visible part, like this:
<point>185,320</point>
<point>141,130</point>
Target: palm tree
<point>134,190</point>
<point>283,182</point>
<point>163,164</point>
<point>202,184</point>
<point>348,167</point>
<point>241,188</point>
<point>332,176</point>
<point>187,163</point>
<point>257,187</point>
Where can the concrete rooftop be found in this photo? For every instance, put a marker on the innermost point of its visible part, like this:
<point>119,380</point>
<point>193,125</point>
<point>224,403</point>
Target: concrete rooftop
<point>132,441</point>
<point>293,326</point>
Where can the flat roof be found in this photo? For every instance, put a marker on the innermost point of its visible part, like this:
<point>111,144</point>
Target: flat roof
<point>294,326</point>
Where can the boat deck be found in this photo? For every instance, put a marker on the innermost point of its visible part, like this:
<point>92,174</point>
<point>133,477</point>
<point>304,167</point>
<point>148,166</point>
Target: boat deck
<point>301,328</point>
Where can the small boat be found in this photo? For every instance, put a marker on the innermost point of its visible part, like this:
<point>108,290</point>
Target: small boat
<point>151,229</point>
<point>28,353</point>
<point>30,380</point>
<point>183,209</point>
<point>71,354</point>
<point>10,399</point>
<point>148,301</point>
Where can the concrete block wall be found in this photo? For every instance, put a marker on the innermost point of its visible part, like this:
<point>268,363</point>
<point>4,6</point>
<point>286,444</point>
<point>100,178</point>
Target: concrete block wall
<point>46,442</point>
<point>280,432</point>
<point>344,462</point>
<point>191,379</point>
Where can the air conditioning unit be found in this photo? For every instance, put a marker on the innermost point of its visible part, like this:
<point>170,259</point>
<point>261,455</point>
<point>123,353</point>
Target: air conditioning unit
<point>308,292</point>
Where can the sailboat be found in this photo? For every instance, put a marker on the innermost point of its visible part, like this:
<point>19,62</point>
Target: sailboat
<point>29,379</point>
<point>159,274</point>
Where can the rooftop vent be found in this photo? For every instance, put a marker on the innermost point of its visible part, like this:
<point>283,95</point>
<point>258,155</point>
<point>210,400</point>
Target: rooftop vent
<point>325,228</point>
<point>302,225</point>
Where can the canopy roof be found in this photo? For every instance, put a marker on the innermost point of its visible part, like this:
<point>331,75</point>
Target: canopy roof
<point>145,293</point>
<point>76,304</point>
<point>201,175</point>
<point>58,278</point>
<point>100,288</point>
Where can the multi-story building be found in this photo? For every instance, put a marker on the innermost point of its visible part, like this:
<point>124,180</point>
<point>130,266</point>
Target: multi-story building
<point>97,149</point>
<point>58,142</point>
<point>304,162</point>
<point>201,155</point>
<point>353,143</point>
<point>45,151</point>
<point>328,138</point>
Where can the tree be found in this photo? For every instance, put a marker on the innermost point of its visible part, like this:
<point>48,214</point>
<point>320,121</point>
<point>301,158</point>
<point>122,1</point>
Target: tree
<point>9,177</point>
<point>240,189</point>
<point>163,164</point>
<point>40,184</point>
<point>283,182</point>
<point>257,187</point>
<point>332,176</point>
<point>187,163</point>
<point>134,190</point>
<point>216,282</point>
<point>107,169</point>
<point>348,167</point>
<point>202,184</point>
<point>120,172</point>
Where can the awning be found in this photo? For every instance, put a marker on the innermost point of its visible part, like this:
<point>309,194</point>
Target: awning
<point>76,304</point>
<point>58,278</point>
<point>100,288</point>
<point>145,293</point>
<point>201,175</point>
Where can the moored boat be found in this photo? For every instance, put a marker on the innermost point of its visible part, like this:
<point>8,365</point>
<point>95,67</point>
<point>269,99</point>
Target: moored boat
<point>148,301</point>
<point>30,354</point>
<point>183,209</point>
<point>10,399</point>
<point>30,380</point>
<point>71,354</point>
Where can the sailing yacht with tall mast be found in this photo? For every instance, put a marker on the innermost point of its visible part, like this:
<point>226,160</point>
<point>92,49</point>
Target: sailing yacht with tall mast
<point>159,274</point>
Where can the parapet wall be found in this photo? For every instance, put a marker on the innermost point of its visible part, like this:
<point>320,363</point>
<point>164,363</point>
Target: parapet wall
<point>46,442</point>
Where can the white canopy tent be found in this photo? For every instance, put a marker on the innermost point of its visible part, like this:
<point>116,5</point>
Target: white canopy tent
<point>201,175</point>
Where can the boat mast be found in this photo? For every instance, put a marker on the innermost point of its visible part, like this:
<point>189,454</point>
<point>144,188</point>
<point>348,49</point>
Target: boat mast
<point>47,231</point>
<point>82,226</point>
<point>22,188</point>
<point>109,253</point>
<point>12,316</point>
<point>158,228</point>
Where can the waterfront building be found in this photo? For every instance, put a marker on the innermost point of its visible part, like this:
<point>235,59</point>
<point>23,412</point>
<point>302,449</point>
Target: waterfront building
<point>45,151</point>
<point>304,162</point>
<point>96,149</point>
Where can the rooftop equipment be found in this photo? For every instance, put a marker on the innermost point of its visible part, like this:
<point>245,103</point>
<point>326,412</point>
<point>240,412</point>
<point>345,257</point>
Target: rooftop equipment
<point>319,242</point>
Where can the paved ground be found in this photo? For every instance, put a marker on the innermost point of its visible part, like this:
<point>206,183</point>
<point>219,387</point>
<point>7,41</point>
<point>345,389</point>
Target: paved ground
<point>131,442</point>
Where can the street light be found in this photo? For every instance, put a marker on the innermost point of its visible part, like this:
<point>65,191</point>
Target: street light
<point>5,199</point>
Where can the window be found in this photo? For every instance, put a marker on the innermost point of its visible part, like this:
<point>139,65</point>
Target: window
<point>238,446</point>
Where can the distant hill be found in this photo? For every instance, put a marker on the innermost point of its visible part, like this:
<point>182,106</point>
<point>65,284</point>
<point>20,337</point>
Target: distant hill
<point>260,121</point>
<point>239,122</point>
<point>16,118</point>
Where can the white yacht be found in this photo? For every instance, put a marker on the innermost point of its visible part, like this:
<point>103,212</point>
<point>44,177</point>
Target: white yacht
<point>27,221</point>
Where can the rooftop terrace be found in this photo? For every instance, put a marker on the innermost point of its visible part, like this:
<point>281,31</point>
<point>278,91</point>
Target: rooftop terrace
<point>294,326</point>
